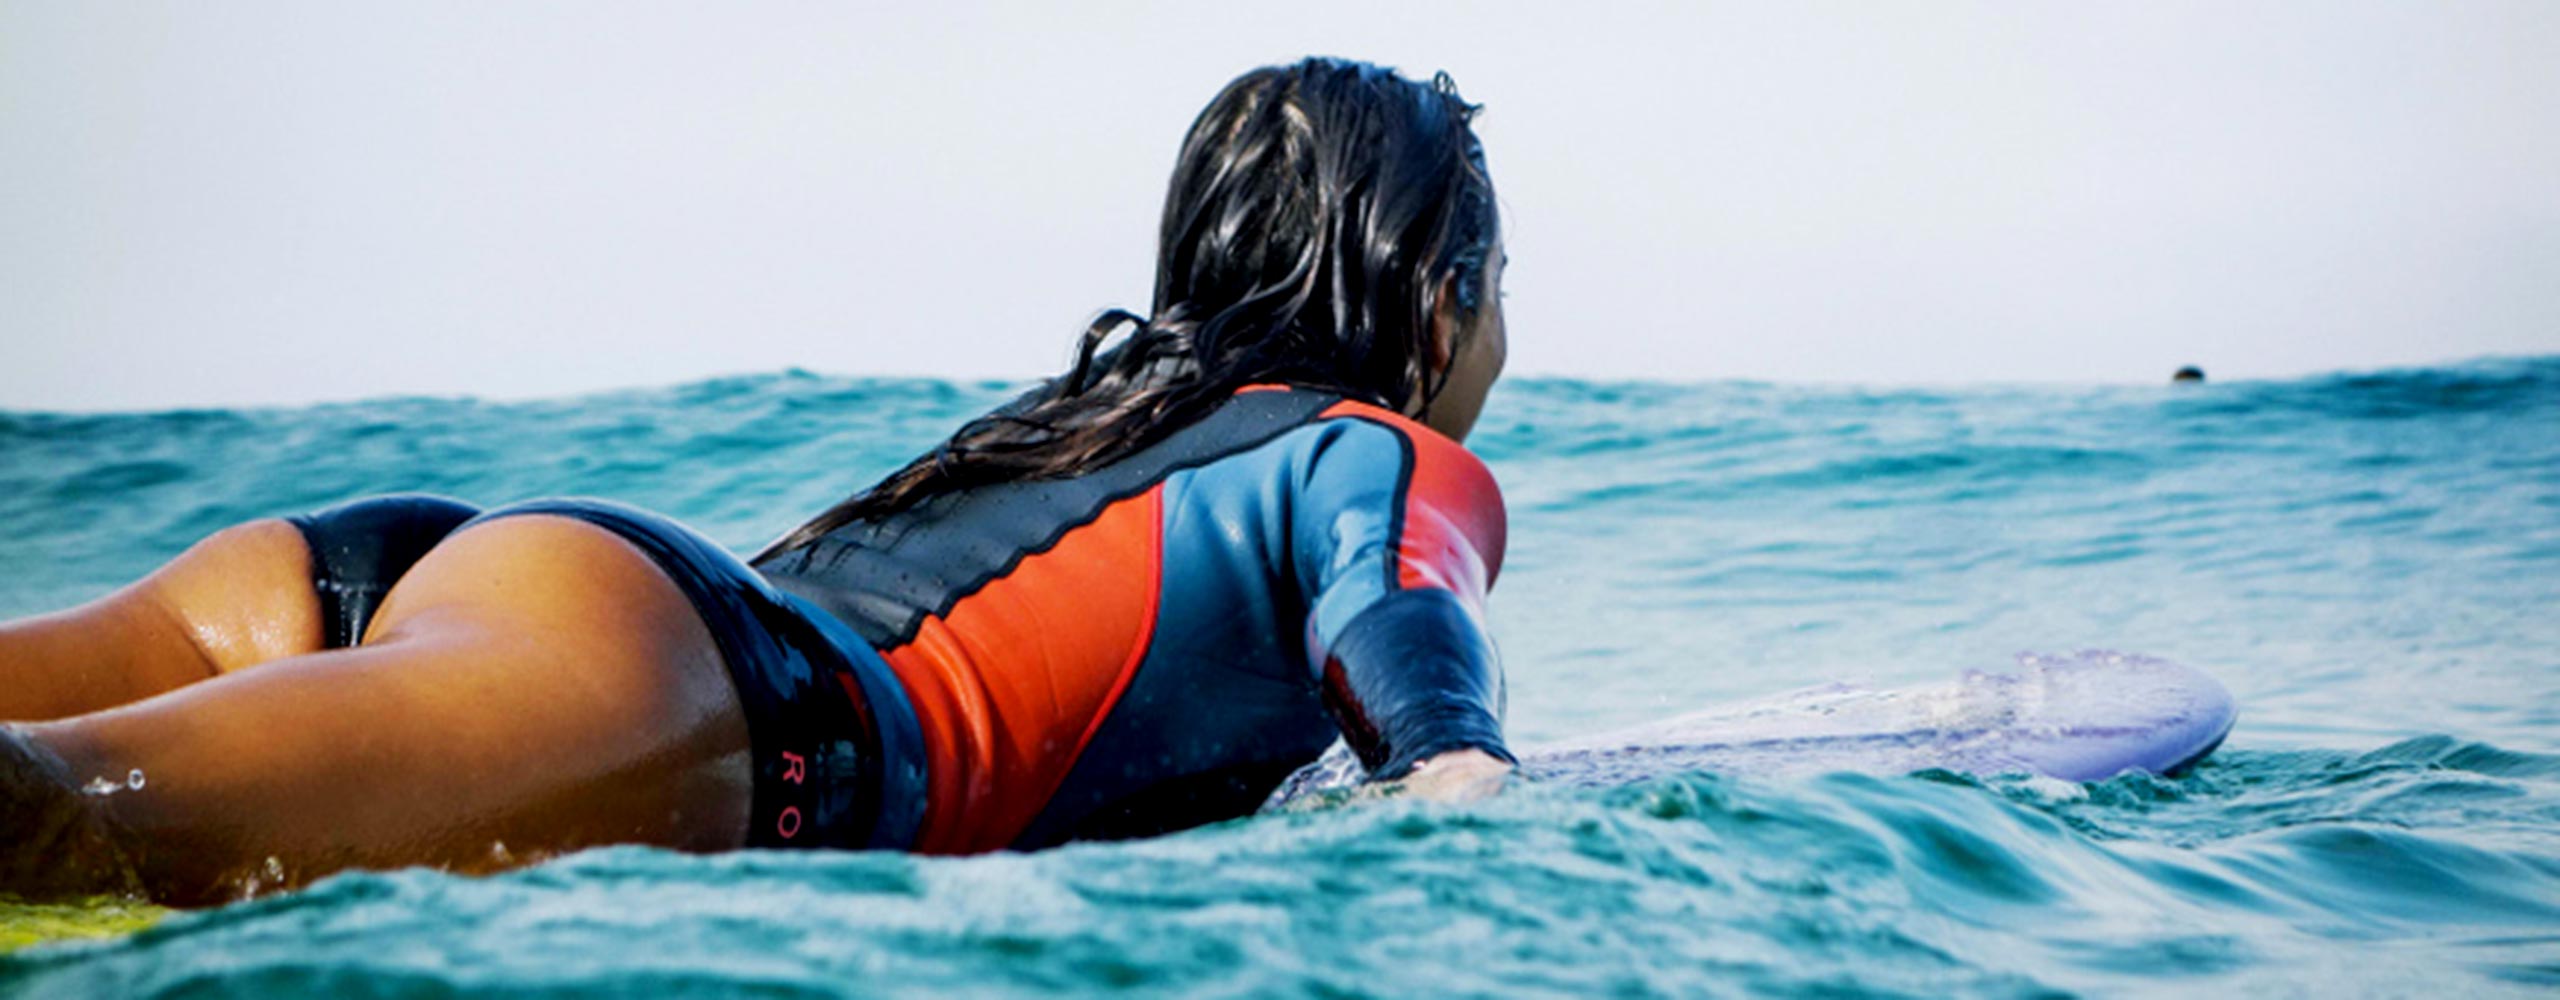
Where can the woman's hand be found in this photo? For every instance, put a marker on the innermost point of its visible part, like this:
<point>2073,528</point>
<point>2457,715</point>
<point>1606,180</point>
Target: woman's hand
<point>1453,777</point>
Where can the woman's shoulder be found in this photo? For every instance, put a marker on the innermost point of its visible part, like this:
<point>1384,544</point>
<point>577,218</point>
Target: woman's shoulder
<point>1354,467</point>
<point>1428,455</point>
<point>1346,450</point>
<point>1316,408</point>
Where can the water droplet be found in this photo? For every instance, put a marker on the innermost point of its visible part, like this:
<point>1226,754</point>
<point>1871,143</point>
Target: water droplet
<point>133,780</point>
<point>99,786</point>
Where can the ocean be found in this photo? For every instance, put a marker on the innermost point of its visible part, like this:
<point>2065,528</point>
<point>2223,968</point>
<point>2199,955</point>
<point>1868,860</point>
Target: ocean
<point>2369,561</point>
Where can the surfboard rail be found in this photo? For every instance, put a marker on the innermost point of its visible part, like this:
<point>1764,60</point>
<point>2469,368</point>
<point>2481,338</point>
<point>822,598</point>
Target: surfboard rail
<point>2084,716</point>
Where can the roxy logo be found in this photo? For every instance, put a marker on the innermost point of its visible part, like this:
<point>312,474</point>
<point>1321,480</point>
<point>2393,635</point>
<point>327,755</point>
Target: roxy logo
<point>795,769</point>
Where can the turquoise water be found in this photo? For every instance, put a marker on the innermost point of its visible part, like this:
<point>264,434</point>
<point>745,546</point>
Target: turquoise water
<point>2370,562</point>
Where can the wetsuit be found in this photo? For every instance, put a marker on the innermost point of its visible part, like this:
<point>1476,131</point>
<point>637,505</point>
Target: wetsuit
<point>1145,647</point>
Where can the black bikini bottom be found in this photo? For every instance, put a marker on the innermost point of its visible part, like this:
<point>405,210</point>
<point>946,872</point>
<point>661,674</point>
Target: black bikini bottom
<point>839,758</point>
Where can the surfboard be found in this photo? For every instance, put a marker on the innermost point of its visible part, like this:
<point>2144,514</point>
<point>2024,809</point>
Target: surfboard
<point>23,923</point>
<point>2086,716</point>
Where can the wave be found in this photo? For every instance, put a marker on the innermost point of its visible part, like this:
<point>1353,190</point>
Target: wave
<point>2249,872</point>
<point>2360,557</point>
<point>2491,385</point>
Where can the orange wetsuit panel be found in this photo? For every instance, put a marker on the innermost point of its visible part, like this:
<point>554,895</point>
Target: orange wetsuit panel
<point>1010,685</point>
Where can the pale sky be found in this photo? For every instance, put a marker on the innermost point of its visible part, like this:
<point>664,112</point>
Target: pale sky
<point>242,203</point>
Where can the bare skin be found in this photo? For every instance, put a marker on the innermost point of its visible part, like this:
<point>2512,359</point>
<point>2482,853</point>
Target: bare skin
<point>238,599</point>
<point>60,845</point>
<point>1472,350</point>
<point>533,686</point>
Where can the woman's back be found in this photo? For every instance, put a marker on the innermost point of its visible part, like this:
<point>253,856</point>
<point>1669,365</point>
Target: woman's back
<point>1149,645</point>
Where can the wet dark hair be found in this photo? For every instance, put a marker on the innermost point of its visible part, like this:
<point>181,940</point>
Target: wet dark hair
<point>1316,212</point>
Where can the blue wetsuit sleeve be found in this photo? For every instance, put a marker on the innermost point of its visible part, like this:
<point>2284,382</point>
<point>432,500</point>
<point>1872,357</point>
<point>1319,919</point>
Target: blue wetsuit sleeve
<point>1397,533</point>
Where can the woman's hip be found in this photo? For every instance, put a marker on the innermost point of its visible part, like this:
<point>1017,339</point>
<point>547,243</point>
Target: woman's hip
<point>837,755</point>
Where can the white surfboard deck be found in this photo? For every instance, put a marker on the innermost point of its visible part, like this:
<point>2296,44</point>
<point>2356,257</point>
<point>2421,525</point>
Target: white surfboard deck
<point>2082,717</point>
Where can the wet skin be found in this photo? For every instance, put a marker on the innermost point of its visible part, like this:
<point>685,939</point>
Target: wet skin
<point>533,686</point>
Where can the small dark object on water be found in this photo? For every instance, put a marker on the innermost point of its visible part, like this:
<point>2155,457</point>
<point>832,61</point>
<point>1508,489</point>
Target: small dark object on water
<point>2189,373</point>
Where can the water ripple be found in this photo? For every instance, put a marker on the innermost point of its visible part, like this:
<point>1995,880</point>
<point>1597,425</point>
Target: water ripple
<point>2369,561</point>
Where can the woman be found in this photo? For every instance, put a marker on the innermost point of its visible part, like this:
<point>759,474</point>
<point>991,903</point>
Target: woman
<point>1131,600</point>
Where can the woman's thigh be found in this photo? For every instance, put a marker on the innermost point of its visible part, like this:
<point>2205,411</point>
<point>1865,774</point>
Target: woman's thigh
<point>534,685</point>
<point>236,599</point>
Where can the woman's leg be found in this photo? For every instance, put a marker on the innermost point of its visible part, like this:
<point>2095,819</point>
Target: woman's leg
<point>534,685</point>
<point>236,599</point>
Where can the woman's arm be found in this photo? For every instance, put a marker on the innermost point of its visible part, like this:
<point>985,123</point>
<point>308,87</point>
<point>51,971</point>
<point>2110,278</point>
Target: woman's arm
<point>1397,535</point>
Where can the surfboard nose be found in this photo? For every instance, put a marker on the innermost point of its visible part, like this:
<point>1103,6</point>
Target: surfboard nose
<point>2095,714</point>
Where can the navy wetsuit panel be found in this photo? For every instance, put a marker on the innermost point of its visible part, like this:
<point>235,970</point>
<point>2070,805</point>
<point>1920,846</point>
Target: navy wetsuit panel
<point>1397,536</point>
<point>359,549</point>
<point>1286,621</point>
<point>884,577</point>
<point>1319,572</point>
<point>838,757</point>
